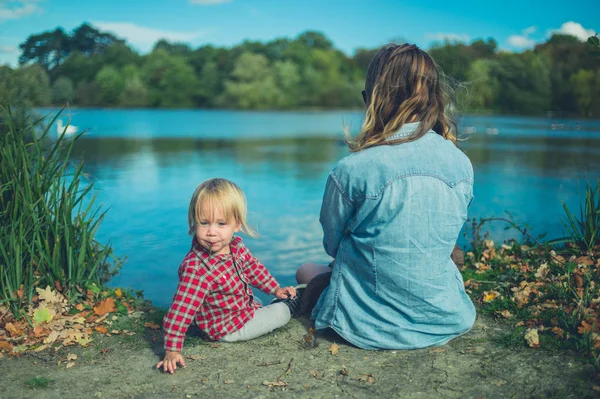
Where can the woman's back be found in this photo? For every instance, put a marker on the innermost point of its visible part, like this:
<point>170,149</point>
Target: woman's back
<point>394,284</point>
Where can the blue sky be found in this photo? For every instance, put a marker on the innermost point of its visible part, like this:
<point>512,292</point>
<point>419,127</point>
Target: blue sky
<point>516,25</point>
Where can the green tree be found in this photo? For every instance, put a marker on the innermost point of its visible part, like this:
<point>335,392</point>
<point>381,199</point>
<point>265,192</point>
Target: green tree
<point>62,91</point>
<point>88,40</point>
<point>135,92</point>
<point>111,85</point>
<point>252,85</point>
<point>586,87</point>
<point>171,80</point>
<point>47,49</point>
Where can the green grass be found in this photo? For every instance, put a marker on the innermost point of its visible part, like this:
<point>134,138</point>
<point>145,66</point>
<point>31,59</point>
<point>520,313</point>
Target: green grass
<point>48,218</point>
<point>38,382</point>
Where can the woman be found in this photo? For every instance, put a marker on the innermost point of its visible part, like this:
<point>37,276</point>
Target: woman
<point>391,214</point>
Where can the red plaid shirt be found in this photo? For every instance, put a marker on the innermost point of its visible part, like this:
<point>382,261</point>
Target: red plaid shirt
<point>214,290</point>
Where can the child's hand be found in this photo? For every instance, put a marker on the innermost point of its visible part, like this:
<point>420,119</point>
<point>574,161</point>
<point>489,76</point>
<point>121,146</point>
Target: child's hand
<point>169,363</point>
<point>285,292</point>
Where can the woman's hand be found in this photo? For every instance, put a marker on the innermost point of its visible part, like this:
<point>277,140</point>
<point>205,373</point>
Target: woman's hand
<point>169,363</point>
<point>285,292</point>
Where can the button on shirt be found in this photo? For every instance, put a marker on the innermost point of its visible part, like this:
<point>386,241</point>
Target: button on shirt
<point>215,292</point>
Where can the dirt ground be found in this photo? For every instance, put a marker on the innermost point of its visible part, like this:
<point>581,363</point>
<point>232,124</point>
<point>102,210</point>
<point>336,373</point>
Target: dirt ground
<point>479,364</point>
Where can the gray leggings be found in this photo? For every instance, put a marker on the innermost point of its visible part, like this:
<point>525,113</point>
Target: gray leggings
<point>265,320</point>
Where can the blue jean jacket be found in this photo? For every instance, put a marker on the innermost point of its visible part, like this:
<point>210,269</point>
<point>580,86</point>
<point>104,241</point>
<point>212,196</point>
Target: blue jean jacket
<point>391,216</point>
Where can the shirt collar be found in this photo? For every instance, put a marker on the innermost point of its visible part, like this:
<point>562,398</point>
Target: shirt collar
<point>406,130</point>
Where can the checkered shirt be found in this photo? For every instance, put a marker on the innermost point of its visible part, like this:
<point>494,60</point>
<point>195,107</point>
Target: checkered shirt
<point>215,292</point>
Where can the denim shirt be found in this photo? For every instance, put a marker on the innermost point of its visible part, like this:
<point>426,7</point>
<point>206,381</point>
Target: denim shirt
<point>391,216</point>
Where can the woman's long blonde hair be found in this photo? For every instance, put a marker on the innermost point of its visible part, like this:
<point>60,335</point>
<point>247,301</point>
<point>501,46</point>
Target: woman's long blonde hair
<point>403,85</point>
<point>219,193</point>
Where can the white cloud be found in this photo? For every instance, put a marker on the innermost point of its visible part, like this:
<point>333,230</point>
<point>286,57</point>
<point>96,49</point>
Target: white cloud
<point>520,41</point>
<point>451,37</point>
<point>574,29</point>
<point>144,38</point>
<point>208,2</point>
<point>529,31</point>
<point>16,9</point>
<point>8,49</point>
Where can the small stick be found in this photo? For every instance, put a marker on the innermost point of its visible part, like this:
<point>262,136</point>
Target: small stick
<point>269,363</point>
<point>289,368</point>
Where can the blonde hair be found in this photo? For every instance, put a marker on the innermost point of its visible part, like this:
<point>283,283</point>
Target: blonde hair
<point>215,193</point>
<point>403,85</point>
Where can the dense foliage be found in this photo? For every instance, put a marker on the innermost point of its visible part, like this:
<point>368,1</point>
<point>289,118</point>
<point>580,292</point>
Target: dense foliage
<point>92,68</point>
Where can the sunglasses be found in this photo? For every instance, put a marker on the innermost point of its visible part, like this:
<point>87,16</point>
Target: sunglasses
<point>364,94</point>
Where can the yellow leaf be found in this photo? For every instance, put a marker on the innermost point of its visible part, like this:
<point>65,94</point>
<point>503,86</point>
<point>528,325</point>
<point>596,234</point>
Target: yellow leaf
<point>118,293</point>
<point>51,337</point>
<point>71,356</point>
<point>70,364</point>
<point>505,313</point>
<point>84,341</point>
<point>334,349</point>
<point>489,296</point>
<point>532,338</point>
<point>43,315</point>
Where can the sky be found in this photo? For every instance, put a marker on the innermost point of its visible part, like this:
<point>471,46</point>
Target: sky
<point>350,24</point>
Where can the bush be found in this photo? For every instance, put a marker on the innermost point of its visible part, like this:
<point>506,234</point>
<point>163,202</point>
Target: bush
<point>47,216</point>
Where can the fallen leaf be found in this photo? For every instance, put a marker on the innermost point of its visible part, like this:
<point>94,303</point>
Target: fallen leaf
<point>51,337</point>
<point>13,330</point>
<point>83,341</point>
<point>505,313</point>
<point>227,381</point>
<point>101,329</point>
<point>118,293</point>
<point>79,307</point>
<point>559,332</point>
<point>43,315</point>
<point>368,378</point>
<point>49,295</point>
<point>105,306</point>
<point>151,325</point>
<point>314,373</point>
<point>71,356</point>
<point>489,296</point>
<point>334,349</point>
<point>115,332</point>
<point>584,328</point>
<point>40,348</point>
<point>70,364</point>
<point>5,346</point>
<point>532,338</point>
<point>215,346</point>
<point>344,371</point>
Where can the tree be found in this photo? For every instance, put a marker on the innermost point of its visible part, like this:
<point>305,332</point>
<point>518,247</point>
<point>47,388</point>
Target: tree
<point>171,80</point>
<point>182,49</point>
<point>47,49</point>
<point>135,92</point>
<point>88,40</point>
<point>586,87</point>
<point>111,85</point>
<point>62,91</point>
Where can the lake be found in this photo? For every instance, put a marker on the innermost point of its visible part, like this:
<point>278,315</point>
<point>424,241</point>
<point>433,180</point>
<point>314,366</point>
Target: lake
<point>146,164</point>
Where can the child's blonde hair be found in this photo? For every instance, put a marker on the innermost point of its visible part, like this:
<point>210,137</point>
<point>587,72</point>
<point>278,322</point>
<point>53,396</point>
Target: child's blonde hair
<point>219,193</point>
<point>403,84</point>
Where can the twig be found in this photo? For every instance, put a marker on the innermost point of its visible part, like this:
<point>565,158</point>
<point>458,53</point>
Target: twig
<point>269,363</point>
<point>289,368</point>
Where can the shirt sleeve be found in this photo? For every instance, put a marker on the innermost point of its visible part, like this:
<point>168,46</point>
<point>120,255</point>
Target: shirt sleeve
<point>188,299</point>
<point>336,212</point>
<point>257,274</point>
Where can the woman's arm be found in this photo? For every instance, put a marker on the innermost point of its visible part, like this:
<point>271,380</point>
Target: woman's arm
<point>336,211</point>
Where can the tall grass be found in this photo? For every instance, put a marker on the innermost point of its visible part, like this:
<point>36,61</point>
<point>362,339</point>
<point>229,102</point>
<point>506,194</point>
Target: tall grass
<point>48,219</point>
<point>585,231</point>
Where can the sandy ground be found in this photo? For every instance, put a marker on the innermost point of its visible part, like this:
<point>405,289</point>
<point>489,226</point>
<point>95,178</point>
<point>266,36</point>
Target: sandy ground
<point>476,365</point>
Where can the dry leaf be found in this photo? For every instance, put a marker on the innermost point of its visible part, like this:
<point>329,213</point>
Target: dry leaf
<point>314,373</point>
<point>116,332</point>
<point>227,381</point>
<point>49,295</point>
<point>79,307</point>
<point>532,338</point>
<point>39,331</point>
<point>70,364</point>
<point>105,307</point>
<point>40,348</point>
<point>368,378</point>
<point>71,356</point>
<point>559,332</point>
<point>118,293</point>
<point>505,313</point>
<point>584,328</point>
<point>13,330</point>
<point>5,346</point>
<point>334,349</point>
<point>151,325</point>
<point>101,329</point>
<point>51,337</point>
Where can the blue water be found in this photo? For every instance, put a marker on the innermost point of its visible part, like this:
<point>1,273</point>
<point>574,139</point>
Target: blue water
<point>146,164</point>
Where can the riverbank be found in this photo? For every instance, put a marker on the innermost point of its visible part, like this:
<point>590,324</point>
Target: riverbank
<point>487,362</point>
